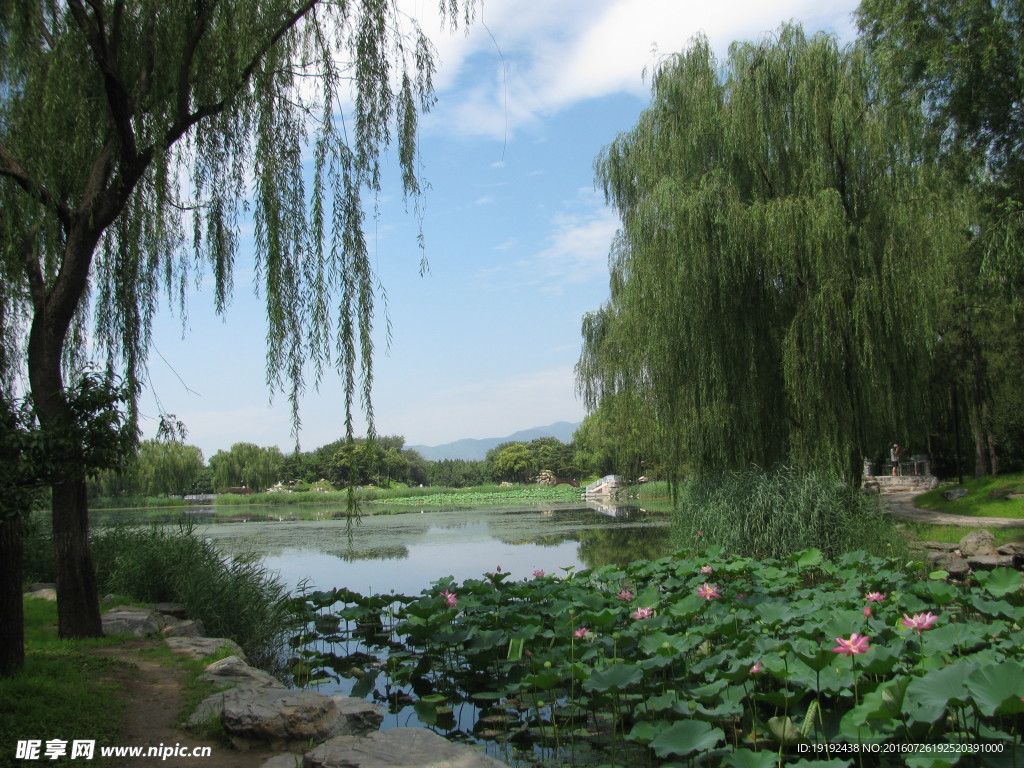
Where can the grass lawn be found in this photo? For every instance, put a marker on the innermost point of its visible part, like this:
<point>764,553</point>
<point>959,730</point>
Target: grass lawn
<point>65,692</point>
<point>977,502</point>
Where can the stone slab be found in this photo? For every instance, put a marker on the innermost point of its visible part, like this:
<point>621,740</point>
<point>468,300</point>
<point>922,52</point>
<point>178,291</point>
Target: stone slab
<point>199,647</point>
<point>130,620</point>
<point>397,748</point>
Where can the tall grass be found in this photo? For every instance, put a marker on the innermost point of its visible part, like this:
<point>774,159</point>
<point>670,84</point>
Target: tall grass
<point>759,514</point>
<point>234,597</point>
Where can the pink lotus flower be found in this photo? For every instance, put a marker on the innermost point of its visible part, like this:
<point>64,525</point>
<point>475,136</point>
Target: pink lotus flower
<point>625,595</point>
<point>699,533</point>
<point>874,597</point>
<point>706,569</point>
<point>919,621</point>
<point>867,611</point>
<point>581,632</point>
<point>708,591</point>
<point>856,644</point>
<point>449,598</point>
<point>538,573</point>
<point>642,613</point>
<point>757,668</point>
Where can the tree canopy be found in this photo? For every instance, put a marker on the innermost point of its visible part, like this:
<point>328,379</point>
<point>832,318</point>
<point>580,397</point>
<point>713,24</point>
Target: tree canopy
<point>132,134</point>
<point>775,284</point>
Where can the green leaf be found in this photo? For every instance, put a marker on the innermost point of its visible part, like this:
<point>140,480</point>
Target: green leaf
<point>748,758</point>
<point>643,732</point>
<point>785,731</point>
<point>808,558</point>
<point>365,684</point>
<point>544,680</point>
<point>1002,581</point>
<point>686,737</point>
<point>928,697</point>
<point>616,676</point>
<point>997,690</point>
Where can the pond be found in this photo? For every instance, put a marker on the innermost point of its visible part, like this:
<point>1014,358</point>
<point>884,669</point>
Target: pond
<point>405,550</point>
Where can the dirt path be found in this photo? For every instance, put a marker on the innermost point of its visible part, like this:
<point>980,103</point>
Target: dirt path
<point>901,506</point>
<point>154,699</point>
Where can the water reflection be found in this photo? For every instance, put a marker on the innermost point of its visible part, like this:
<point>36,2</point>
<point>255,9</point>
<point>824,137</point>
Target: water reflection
<point>407,552</point>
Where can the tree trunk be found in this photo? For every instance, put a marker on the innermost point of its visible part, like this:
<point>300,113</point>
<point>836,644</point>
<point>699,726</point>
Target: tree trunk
<point>78,608</point>
<point>12,614</point>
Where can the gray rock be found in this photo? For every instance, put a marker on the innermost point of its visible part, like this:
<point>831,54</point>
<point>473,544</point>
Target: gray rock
<point>397,748</point>
<point>177,610</point>
<point>198,647</point>
<point>129,620</point>
<point>232,671</point>
<point>980,542</point>
<point>43,594</point>
<point>286,760</point>
<point>39,586</point>
<point>954,493</point>
<point>989,562</point>
<point>278,716</point>
<point>955,566</point>
<point>356,717</point>
<point>183,628</point>
<point>1000,493</point>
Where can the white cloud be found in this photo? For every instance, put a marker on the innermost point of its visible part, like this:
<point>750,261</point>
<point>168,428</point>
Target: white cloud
<point>576,251</point>
<point>484,200</point>
<point>547,56</point>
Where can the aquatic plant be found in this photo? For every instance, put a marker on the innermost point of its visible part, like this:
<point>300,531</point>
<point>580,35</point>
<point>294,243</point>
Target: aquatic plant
<point>648,663</point>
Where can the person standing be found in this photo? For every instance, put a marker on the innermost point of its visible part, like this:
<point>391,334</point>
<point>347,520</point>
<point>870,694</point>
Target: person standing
<point>894,456</point>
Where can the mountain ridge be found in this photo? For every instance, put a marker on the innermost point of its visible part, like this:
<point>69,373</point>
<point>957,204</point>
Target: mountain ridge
<point>475,449</point>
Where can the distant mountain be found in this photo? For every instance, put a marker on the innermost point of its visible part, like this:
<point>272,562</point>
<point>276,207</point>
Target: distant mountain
<point>476,450</point>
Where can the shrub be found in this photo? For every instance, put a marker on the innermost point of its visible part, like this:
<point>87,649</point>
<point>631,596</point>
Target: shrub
<point>759,514</point>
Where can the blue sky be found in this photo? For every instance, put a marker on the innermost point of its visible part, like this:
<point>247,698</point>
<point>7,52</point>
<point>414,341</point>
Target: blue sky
<point>517,237</point>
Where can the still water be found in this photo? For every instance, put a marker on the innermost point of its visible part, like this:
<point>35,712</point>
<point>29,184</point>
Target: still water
<point>408,551</point>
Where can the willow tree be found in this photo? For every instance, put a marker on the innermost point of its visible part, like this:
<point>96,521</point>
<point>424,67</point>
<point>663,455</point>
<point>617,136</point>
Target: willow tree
<point>131,134</point>
<point>782,252</point>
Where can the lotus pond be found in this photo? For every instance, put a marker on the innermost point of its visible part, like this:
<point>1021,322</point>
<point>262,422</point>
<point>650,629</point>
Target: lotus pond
<point>692,659</point>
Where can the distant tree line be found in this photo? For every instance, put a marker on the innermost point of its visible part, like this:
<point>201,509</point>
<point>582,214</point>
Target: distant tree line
<point>173,468</point>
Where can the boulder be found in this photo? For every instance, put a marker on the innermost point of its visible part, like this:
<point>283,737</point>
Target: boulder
<point>177,610</point>
<point>232,671</point>
<point>286,760</point>
<point>129,620</point>
<point>397,748</point>
<point>44,593</point>
<point>183,627</point>
<point>955,566</point>
<point>199,647</point>
<point>978,543</point>
<point>989,562</point>
<point>280,716</point>
<point>954,493</point>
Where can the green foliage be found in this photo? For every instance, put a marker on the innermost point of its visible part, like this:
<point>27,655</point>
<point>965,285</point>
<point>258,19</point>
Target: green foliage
<point>774,291</point>
<point>514,462</point>
<point>234,597</point>
<point>246,465</point>
<point>965,61</point>
<point>457,473</point>
<point>166,468</point>
<point>762,514</point>
<point>58,690</point>
<point>494,494</point>
<point>745,677</point>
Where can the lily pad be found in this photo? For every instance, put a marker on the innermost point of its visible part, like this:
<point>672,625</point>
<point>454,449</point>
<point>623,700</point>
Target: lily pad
<point>686,737</point>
